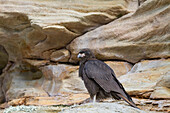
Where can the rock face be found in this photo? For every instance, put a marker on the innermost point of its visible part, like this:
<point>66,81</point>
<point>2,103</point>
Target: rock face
<point>148,79</point>
<point>102,108</point>
<point>3,58</point>
<point>22,81</point>
<point>85,108</point>
<point>162,89</point>
<point>62,55</point>
<point>39,28</point>
<point>64,99</point>
<point>37,32</point>
<point>140,35</point>
<point>119,67</point>
<point>51,80</point>
<point>39,42</point>
<point>2,96</point>
<point>64,78</point>
<point>3,62</point>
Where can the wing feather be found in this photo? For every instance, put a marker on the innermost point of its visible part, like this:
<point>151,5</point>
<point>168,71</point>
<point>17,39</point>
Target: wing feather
<point>103,75</point>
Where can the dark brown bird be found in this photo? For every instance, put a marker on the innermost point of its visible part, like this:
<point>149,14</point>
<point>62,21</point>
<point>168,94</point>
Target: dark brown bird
<point>99,79</point>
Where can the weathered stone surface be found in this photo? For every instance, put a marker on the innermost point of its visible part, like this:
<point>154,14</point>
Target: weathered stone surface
<point>35,35</point>
<point>145,104</point>
<point>2,96</point>
<point>140,35</point>
<point>13,30</point>
<point>102,108</point>
<point>28,81</point>
<point>68,12</point>
<point>22,81</point>
<point>64,99</point>
<point>72,83</point>
<point>16,102</point>
<point>120,68</point>
<point>29,29</point>
<point>145,76</point>
<point>2,80</point>
<point>62,55</point>
<point>62,78</point>
<point>1,111</point>
<point>85,108</point>
<point>3,58</point>
<point>153,105</point>
<point>37,63</point>
<point>162,89</point>
<point>161,93</point>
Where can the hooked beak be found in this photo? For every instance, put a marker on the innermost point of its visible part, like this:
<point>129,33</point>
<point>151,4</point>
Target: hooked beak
<point>80,55</point>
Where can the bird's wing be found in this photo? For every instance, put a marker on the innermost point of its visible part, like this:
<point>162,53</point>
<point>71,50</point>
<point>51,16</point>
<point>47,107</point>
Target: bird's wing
<point>103,75</point>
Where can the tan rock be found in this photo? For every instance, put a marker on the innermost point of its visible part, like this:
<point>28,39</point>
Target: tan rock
<point>36,63</point>
<point>144,77</point>
<point>1,111</point>
<point>2,96</point>
<point>120,68</point>
<point>53,80</point>
<point>161,93</point>
<point>3,58</point>
<point>42,26</point>
<point>165,80</point>
<point>58,13</point>
<point>16,102</point>
<point>102,108</point>
<point>22,82</point>
<point>153,105</point>
<point>72,83</point>
<point>131,38</point>
<point>3,106</point>
<point>13,26</point>
<point>62,55</point>
<point>64,99</point>
<point>62,78</point>
<point>162,89</point>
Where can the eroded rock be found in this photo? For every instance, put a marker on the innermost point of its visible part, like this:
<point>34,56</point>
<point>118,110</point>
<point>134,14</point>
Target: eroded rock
<point>2,96</point>
<point>37,32</point>
<point>62,55</point>
<point>119,67</point>
<point>162,89</point>
<point>145,76</point>
<point>136,36</point>
<point>64,99</point>
<point>102,108</point>
<point>153,105</point>
<point>3,62</point>
<point>22,81</point>
<point>62,78</point>
<point>31,29</point>
<point>3,58</point>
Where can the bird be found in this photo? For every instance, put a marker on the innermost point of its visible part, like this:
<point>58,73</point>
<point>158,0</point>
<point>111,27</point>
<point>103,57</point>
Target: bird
<point>99,79</point>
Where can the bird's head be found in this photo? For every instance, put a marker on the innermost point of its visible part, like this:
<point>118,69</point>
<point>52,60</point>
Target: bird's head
<point>85,54</point>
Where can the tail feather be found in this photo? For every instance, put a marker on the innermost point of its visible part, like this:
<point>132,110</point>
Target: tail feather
<point>128,101</point>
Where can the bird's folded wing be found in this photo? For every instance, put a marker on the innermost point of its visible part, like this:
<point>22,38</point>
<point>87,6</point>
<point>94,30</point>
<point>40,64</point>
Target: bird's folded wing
<point>103,75</point>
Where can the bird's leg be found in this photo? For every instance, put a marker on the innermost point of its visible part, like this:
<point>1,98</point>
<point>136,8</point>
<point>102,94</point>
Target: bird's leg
<point>138,3</point>
<point>94,99</point>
